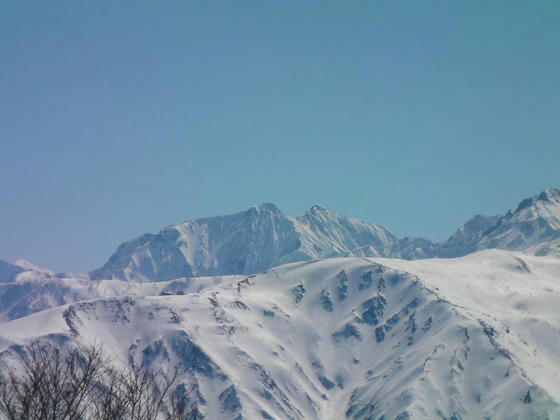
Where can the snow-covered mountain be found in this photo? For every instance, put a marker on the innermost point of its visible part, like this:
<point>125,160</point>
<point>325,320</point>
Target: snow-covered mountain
<point>468,338</point>
<point>244,243</point>
<point>534,226</point>
<point>263,237</point>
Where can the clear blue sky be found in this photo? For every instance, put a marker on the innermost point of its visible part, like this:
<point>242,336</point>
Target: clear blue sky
<point>118,118</point>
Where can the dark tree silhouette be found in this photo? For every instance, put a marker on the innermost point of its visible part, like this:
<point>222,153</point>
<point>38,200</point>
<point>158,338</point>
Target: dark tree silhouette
<point>82,383</point>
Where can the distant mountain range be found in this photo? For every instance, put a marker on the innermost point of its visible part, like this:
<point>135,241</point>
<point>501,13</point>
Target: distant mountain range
<point>263,237</point>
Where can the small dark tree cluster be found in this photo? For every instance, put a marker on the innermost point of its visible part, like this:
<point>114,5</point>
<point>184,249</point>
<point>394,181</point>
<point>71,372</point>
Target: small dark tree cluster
<point>82,383</point>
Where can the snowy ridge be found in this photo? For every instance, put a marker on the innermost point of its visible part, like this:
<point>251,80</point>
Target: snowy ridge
<point>533,226</point>
<point>327,234</point>
<point>466,338</point>
<point>263,237</point>
<point>33,292</point>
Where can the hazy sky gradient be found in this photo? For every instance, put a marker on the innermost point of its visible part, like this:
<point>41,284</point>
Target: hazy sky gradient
<point>120,119</point>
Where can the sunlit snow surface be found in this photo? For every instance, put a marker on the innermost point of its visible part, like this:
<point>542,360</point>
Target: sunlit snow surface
<point>471,337</point>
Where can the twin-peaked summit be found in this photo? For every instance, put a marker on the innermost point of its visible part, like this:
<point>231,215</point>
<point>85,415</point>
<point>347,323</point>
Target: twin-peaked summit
<point>246,242</point>
<point>263,237</point>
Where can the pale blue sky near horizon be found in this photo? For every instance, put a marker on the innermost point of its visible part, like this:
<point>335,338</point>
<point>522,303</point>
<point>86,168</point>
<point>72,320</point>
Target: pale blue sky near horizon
<point>118,119</point>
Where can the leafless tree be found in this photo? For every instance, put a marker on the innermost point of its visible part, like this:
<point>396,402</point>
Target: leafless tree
<point>82,383</point>
<point>50,385</point>
<point>181,409</point>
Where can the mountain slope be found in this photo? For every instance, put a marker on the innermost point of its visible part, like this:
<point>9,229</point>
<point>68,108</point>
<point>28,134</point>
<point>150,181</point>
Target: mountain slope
<point>359,338</point>
<point>8,272</point>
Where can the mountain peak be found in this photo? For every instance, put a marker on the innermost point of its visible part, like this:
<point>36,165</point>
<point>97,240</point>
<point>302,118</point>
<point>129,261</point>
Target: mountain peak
<point>317,209</point>
<point>268,207</point>
<point>263,209</point>
<point>550,195</point>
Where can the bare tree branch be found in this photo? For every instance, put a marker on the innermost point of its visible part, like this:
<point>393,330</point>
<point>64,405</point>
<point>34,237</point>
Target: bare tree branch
<point>82,383</point>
